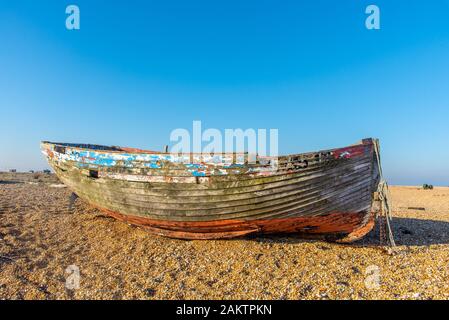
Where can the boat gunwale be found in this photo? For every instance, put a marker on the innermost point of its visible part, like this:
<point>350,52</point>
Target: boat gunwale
<point>130,150</point>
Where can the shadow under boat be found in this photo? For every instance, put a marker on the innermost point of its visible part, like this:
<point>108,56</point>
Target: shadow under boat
<point>406,231</point>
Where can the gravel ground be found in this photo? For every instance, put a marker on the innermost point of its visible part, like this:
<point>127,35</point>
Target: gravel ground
<point>40,239</point>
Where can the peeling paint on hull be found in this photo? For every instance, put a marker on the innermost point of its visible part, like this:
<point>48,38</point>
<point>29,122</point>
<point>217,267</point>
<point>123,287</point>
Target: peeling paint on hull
<point>342,227</point>
<point>326,193</point>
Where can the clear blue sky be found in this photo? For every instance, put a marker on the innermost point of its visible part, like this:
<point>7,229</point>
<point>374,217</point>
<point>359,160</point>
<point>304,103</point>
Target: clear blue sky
<point>138,69</point>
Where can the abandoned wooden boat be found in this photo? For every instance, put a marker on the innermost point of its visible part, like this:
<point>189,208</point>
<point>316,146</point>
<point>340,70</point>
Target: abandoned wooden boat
<point>328,193</point>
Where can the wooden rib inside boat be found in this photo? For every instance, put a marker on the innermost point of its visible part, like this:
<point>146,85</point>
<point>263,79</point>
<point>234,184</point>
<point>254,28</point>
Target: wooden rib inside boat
<point>328,193</point>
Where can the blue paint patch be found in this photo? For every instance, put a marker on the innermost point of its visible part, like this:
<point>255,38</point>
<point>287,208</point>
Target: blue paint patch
<point>152,165</point>
<point>195,165</point>
<point>198,173</point>
<point>234,165</point>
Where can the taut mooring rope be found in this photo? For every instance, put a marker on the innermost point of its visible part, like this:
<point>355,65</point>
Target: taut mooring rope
<point>384,196</point>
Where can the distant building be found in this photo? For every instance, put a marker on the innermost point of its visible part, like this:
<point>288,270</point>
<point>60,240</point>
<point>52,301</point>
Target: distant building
<point>12,170</point>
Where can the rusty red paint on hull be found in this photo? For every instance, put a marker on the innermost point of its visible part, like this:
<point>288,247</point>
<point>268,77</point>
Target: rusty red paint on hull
<point>344,226</point>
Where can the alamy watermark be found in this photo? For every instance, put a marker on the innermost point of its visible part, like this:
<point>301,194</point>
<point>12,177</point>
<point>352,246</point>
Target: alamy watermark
<point>72,281</point>
<point>372,279</point>
<point>73,20</point>
<point>372,22</point>
<point>210,142</point>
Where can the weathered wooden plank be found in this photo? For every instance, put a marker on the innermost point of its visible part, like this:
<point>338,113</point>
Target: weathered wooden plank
<point>185,203</point>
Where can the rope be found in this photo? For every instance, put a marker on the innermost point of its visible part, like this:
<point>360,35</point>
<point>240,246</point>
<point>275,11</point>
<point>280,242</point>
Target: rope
<point>384,198</point>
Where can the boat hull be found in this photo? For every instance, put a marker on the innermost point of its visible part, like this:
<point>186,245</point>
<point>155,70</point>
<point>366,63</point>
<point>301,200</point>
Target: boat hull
<point>340,227</point>
<point>326,193</point>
